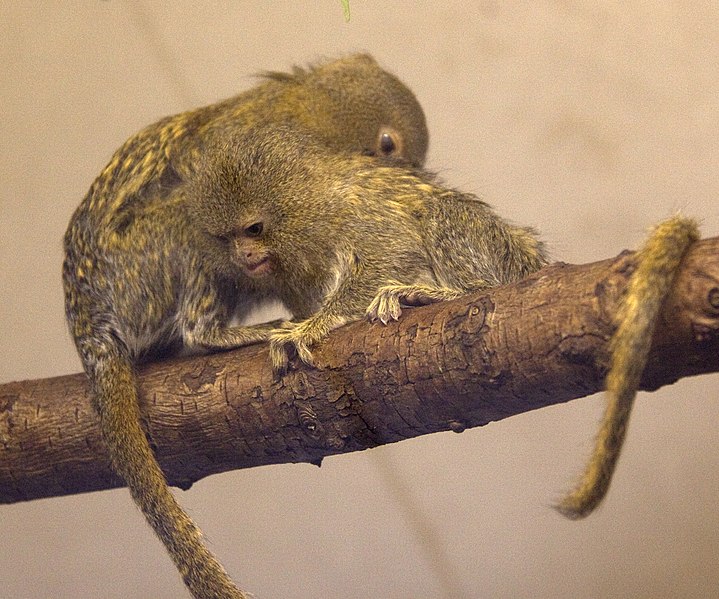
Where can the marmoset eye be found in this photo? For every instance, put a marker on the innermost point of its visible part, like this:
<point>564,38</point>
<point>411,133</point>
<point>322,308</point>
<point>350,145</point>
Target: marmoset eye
<point>254,230</point>
<point>387,144</point>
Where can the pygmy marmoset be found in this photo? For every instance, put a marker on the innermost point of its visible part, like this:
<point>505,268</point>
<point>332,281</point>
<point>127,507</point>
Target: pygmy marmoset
<point>141,280</point>
<point>332,235</point>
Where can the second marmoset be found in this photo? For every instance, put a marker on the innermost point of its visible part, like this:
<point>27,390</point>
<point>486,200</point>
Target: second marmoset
<point>327,234</point>
<point>336,237</point>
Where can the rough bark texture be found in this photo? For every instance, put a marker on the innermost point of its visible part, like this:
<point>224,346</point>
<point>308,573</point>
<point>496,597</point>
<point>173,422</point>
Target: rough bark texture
<point>449,366</point>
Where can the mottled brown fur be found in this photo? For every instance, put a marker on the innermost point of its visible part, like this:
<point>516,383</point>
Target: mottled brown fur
<point>657,265</point>
<point>338,236</point>
<point>142,281</point>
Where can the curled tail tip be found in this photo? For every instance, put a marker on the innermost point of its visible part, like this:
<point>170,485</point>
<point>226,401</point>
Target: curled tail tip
<point>591,489</point>
<point>584,498</point>
<point>577,506</point>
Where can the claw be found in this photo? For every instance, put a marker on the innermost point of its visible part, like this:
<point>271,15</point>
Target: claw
<point>395,309</point>
<point>372,310</point>
<point>279,357</point>
<point>285,341</point>
<point>304,353</point>
<point>385,307</point>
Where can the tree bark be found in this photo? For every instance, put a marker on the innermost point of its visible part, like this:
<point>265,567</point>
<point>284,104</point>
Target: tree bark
<point>449,366</point>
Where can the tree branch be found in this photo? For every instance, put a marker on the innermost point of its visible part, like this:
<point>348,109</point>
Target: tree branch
<point>448,366</point>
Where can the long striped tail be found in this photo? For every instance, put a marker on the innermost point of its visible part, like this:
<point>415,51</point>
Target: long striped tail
<point>657,264</point>
<point>133,459</point>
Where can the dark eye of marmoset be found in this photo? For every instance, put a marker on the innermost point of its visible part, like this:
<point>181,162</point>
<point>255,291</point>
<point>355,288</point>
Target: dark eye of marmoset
<point>386,143</point>
<point>254,230</point>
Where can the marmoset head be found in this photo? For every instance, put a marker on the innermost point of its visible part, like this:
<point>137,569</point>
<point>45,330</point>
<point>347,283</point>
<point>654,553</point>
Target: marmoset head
<point>353,105</point>
<point>254,197</point>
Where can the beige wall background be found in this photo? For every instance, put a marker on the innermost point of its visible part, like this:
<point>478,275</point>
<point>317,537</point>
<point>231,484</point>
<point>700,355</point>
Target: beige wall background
<point>589,120</point>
